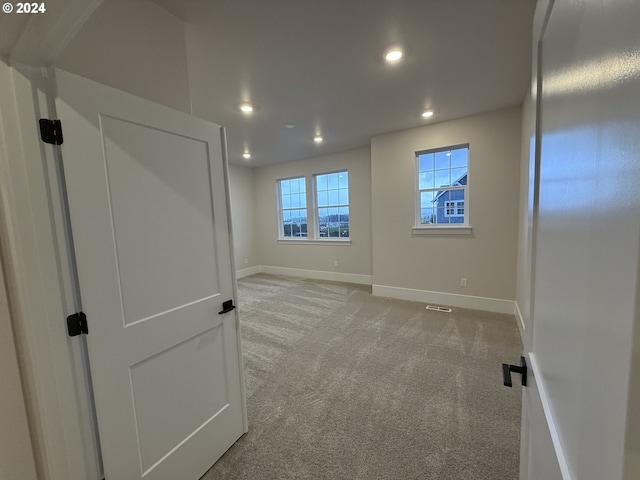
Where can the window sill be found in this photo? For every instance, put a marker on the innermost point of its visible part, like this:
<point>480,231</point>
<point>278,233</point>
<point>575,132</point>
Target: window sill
<point>443,230</point>
<point>298,241</point>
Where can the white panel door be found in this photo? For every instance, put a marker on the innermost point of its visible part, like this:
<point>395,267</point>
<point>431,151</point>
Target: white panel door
<point>148,204</point>
<point>587,233</point>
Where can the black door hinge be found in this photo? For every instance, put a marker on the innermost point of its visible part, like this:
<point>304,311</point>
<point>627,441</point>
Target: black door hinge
<point>51,131</point>
<point>227,306</point>
<point>77,324</point>
<point>521,369</point>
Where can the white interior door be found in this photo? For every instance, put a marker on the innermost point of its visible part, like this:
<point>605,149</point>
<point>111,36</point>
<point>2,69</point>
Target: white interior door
<point>577,406</point>
<point>148,203</point>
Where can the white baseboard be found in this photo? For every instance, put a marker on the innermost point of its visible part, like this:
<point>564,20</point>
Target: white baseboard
<point>245,272</point>
<point>520,320</point>
<point>461,301</point>
<point>450,299</point>
<point>316,274</point>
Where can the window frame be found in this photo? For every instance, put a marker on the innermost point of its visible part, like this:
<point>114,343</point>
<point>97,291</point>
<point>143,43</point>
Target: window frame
<point>451,228</point>
<point>280,209</point>
<point>316,207</point>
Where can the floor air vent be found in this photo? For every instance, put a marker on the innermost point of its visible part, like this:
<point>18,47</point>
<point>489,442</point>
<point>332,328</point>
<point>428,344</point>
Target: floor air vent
<point>438,309</point>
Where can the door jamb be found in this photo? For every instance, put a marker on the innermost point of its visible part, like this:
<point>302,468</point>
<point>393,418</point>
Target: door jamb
<point>37,260</point>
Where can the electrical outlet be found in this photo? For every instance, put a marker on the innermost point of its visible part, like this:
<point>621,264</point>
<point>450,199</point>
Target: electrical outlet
<point>335,263</point>
<point>463,282</point>
<point>246,260</point>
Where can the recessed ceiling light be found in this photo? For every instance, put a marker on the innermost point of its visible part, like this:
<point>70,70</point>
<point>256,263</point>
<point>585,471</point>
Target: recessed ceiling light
<point>246,155</point>
<point>318,139</point>
<point>393,55</point>
<point>427,113</point>
<point>289,125</point>
<point>246,108</point>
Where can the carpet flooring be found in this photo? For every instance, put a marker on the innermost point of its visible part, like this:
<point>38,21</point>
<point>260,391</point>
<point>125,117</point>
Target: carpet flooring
<point>344,385</point>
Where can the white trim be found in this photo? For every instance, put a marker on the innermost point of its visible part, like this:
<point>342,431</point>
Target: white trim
<point>16,448</point>
<point>442,230</point>
<point>520,320</point>
<point>234,276</point>
<point>328,241</point>
<point>318,274</point>
<point>548,413</point>
<point>450,299</point>
<point>36,252</point>
<point>455,300</point>
<point>245,272</point>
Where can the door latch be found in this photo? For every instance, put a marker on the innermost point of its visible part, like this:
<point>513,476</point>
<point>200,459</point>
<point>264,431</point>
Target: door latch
<point>522,370</point>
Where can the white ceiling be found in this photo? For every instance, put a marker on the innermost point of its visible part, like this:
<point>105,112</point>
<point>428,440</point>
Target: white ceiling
<point>319,64</point>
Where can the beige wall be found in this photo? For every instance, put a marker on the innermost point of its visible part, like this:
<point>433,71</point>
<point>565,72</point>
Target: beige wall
<point>243,216</point>
<point>354,258</point>
<point>487,257</point>
<point>134,46</point>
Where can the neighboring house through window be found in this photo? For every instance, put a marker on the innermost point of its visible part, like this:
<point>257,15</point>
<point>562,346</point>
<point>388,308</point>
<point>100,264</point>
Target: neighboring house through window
<point>442,193</point>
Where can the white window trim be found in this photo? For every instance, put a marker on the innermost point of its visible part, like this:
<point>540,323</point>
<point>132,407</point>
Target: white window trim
<point>454,229</point>
<point>316,220</point>
<point>315,241</point>
<point>441,229</point>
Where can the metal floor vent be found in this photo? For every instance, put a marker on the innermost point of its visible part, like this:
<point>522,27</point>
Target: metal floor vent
<point>438,309</point>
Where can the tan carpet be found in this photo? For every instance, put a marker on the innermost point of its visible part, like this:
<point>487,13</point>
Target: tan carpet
<point>344,385</point>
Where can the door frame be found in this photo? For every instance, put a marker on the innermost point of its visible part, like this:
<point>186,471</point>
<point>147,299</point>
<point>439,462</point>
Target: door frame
<point>37,253</point>
<point>42,285</point>
<point>38,273</point>
<point>534,98</point>
<point>531,106</point>
<point>16,451</point>
<point>36,256</point>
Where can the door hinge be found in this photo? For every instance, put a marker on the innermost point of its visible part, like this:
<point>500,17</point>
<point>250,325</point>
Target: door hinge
<point>51,131</point>
<point>521,369</point>
<point>227,306</point>
<point>77,324</point>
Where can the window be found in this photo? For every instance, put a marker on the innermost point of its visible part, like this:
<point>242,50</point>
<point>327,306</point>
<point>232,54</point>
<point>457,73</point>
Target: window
<point>329,216</point>
<point>442,178</point>
<point>292,194</point>
<point>454,209</point>
<point>332,204</point>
